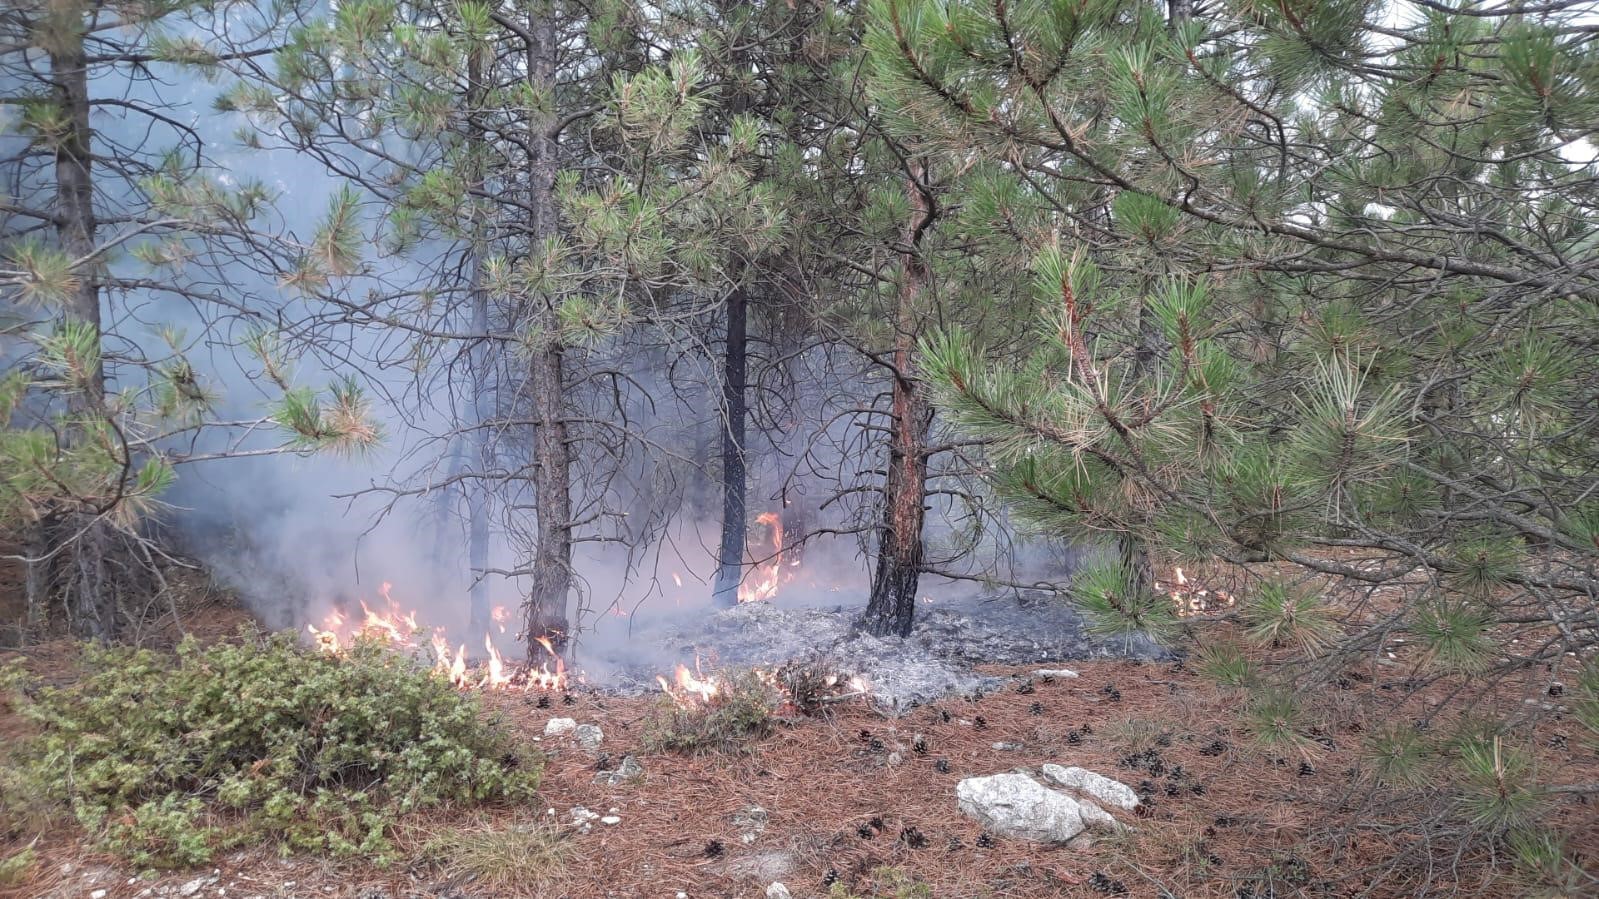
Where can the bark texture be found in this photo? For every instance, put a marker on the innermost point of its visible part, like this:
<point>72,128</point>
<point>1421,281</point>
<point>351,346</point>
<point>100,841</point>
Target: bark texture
<point>735,480</point>
<point>81,544</point>
<point>891,608</point>
<point>735,364</point>
<point>477,500</point>
<point>545,609</point>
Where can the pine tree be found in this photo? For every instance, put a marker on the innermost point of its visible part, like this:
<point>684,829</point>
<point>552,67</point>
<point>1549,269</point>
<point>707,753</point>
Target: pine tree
<point>556,217</point>
<point>119,214</point>
<point>1314,287</point>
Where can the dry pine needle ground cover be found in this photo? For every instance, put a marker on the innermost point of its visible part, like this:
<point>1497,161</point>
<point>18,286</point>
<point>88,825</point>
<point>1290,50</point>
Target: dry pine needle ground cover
<point>857,799</point>
<point>864,805</point>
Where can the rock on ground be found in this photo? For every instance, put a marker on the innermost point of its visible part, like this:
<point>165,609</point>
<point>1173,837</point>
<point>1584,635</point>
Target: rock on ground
<point>1016,805</point>
<point>588,736</point>
<point>557,726</point>
<point>630,768</point>
<point>1098,786</point>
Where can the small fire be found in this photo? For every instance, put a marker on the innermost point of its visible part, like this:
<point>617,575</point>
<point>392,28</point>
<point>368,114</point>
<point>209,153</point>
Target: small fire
<point>693,688</point>
<point>763,579</point>
<point>1192,601</point>
<point>690,686</point>
<point>401,629</point>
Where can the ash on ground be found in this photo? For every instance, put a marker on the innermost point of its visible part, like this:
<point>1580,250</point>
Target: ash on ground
<point>935,661</point>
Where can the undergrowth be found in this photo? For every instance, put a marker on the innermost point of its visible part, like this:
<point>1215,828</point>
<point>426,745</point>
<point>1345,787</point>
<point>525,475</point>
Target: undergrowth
<point>501,859</point>
<point>884,883</point>
<point>740,712</point>
<point>16,868</point>
<point>166,759</point>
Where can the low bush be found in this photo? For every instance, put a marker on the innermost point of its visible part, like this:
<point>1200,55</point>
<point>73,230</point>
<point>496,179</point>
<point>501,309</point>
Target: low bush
<point>166,759</point>
<point>740,712</point>
<point>16,868</point>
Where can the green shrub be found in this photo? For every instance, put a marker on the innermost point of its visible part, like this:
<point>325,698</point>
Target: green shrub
<point>17,868</point>
<point>166,759</point>
<point>739,713</point>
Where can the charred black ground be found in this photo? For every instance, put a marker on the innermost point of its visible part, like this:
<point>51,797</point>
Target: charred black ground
<point>951,634</point>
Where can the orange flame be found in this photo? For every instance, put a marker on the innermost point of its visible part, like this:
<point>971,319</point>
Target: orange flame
<point>763,579</point>
<point>690,687</point>
<point>399,629</point>
<point>1191,599</point>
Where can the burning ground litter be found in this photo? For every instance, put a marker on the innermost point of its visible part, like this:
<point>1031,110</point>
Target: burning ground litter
<point>952,634</point>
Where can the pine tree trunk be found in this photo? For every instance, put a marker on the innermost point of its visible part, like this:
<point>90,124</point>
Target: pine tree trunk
<point>88,577</point>
<point>789,294</point>
<point>1135,562</point>
<point>735,469</point>
<point>891,608</point>
<point>477,500</point>
<point>75,220</point>
<point>545,611</point>
<point>37,575</point>
<point>730,555</point>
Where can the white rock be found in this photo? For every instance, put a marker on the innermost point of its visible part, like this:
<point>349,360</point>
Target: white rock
<point>1102,788</point>
<point>610,820</point>
<point>1097,818</point>
<point>581,815</point>
<point>1016,805</point>
<point>193,887</point>
<point>778,891</point>
<point>97,894</point>
<point>588,736</point>
<point>557,726</point>
<point>1055,672</point>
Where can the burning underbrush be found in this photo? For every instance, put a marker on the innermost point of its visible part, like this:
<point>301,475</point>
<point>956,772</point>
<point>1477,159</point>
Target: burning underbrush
<point>729,710</point>
<point>401,630</point>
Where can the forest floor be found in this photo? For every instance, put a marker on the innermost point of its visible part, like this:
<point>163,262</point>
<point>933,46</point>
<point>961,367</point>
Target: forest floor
<point>846,799</point>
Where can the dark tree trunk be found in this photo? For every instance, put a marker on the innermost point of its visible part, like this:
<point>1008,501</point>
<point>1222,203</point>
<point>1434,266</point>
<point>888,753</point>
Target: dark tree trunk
<point>82,540</point>
<point>36,577</point>
<point>789,311</point>
<point>75,221</point>
<point>1135,561</point>
<point>730,555</point>
<point>477,499</point>
<point>891,608</point>
<point>735,469</point>
<point>552,454</point>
